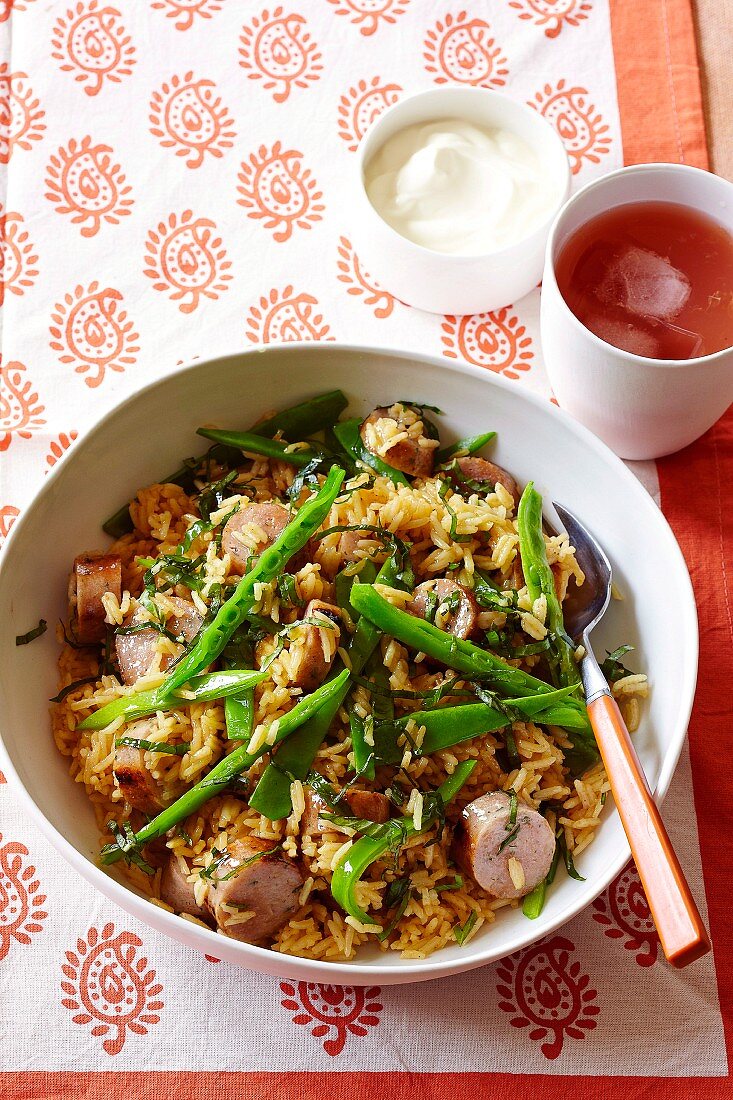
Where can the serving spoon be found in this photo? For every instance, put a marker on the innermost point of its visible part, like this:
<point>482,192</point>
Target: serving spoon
<point>682,933</point>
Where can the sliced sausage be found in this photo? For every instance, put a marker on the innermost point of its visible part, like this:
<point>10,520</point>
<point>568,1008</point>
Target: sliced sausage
<point>93,575</point>
<point>138,786</point>
<point>178,892</point>
<point>315,649</point>
<point>485,843</point>
<point>271,519</point>
<point>135,652</point>
<point>258,880</point>
<point>456,610</point>
<point>413,456</point>
<point>367,805</point>
<point>488,473</point>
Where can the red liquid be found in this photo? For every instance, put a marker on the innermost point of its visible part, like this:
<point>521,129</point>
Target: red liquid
<point>652,278</point>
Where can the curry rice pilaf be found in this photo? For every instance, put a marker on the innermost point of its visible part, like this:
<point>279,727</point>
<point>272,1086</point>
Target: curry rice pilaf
<point>319,692</point>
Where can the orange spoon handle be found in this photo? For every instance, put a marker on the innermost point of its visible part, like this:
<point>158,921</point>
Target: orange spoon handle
<point>681,931</point>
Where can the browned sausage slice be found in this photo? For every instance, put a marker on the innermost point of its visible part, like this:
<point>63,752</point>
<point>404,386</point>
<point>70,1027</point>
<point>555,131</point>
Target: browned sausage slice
<point>455,611</point>
<point>488,473</point>
<point>93,575</point>
<point>267,521</point>
<point>138,786</point>
<point>258,880</point>
<point>314,648</point>
<point>413,456</point>
<point>367,805</point>
<point>507,861</point>
<point>135,652</point>
<point>178,892</point>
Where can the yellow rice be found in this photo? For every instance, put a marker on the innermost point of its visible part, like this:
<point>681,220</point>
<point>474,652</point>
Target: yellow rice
<point>162,514</point>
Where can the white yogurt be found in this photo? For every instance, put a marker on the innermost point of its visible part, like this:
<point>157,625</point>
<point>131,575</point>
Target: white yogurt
<point>454,187</point>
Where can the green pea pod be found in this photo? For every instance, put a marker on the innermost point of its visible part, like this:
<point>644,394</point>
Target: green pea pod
<point>364,763</point>
<point>540,581</point>
<point>239,715</point>
<point>271,796</point>
<point>348,434</point>
<point>228,768</point>
<point>344,582</point>
<point>213,637</point>
<point>369,848</point>
<point>295,423</point>
<point>456,653</point>
<point>200,689</point>
<point>259,445</point>
<point>444,728</point>
<point>467,446</point>
<point>307,418</point>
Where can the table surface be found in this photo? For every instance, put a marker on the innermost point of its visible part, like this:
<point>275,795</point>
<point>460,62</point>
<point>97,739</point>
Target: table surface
<point>101,173</point>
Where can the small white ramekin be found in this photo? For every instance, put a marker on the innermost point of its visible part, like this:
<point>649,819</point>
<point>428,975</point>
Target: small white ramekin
<point>642,408</point>
<point>436,281</point>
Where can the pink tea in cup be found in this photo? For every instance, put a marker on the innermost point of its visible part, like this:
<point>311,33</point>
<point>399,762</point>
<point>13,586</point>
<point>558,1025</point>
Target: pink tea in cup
<point>652,278</point>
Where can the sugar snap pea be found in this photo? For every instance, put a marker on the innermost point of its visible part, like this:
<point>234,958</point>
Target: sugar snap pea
<point>349,436</point>
<point>211,685</point>
<point>457,653</point>
<point>260,445</point>
<point>271,796</point>
<point>381,838</point>
<point>541,582</point>
<point>213,637</point>
<point>227,769</point>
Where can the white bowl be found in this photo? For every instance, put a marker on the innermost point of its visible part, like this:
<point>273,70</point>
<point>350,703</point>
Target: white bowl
<point>643,408</point>
<point>147,436</point>
<point>436,281</point>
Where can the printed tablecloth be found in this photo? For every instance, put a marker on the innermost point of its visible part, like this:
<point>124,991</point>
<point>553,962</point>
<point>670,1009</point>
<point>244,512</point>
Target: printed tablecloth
<point>175,178</point>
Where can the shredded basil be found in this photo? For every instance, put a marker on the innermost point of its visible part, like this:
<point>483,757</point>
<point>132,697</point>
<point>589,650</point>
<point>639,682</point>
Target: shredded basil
<point>612,668</point>
<point>154,746</point>
<point>36,632</point>
<point>512,836</point>
<point>461,932</point>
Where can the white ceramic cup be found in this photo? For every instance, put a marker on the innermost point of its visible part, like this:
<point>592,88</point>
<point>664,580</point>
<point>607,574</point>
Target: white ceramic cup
<point>642,408</point>
<point>436,281</point>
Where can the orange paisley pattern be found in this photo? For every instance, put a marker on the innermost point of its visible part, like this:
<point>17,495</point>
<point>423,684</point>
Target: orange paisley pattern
<point>368,14</point>
<point>284,316</point>
<point>359,107</point>
<point>18,258</point>
<point>576,120</point>
<point>20,114</point>
<point>91,331</point>
<point>108,985</point>
<point>186,11</point>
<point>333,1012</point>
<point>278,49</point>
<point>496,341</point>
<point>544,990</point>
<point>275,188</point>
<point>625,915</point>
<point>83,181</point>
<point>187,260</point>
<point>553,15</point>
<point>8,515</point>
<point>59,447</point>
<point>460,50</point>
<point>360,284</point>
<point>21,912</point>
<point>20,409</point>
<point>187,115</point>
<point>7,7</point>
<point>91,42</point>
